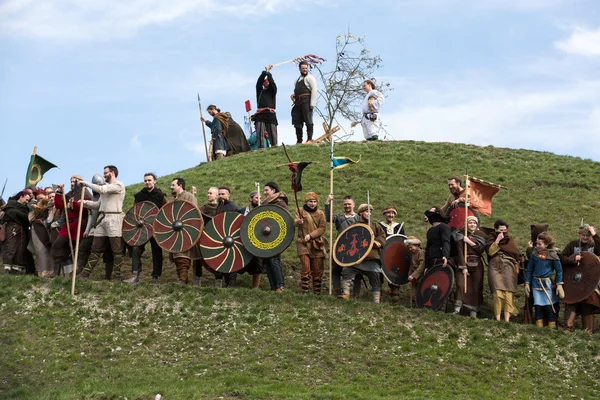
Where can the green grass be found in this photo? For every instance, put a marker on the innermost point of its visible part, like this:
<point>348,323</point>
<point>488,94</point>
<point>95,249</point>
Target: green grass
<point>116,341</point>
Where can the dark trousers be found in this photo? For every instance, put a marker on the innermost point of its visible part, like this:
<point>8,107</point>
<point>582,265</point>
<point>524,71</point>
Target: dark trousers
<point>545,312</point>
<point>157,258</point>
<point>85,250</point>
<point>274,272</point>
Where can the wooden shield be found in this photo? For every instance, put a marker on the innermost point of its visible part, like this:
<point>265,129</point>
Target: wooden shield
<point>267,231</point>
<point>353,244</point>
<point>395,260</point>
<point>435,287</point>
<point>178,226</point>
<point>137,224</point>
<point>457,216</point>
<point>221,244</point>
<point>581,280</point>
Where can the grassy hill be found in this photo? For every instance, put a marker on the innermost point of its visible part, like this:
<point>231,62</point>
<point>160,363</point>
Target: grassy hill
<point>115,341</point>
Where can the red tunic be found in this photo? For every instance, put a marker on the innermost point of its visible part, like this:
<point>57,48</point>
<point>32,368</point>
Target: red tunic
<point>73,216</point>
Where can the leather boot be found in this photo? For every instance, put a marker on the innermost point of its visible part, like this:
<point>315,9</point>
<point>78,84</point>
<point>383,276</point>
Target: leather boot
<point>337,292</point>
<point>345,297</point>
<point>570,321</point>
<point>134,279</point>
<point>539,323</point>
<point>118,257</point>
<point>305,284</point>
<point>552,324</point>
<point>588,322</point>
<point>376,297</point>
<point>255,281</point>
<point>92,261</point>
<point>309,132</point>
<point>317,286</point>
<point>231,279</point>
<point>299,134</point>
<point>182,265</point>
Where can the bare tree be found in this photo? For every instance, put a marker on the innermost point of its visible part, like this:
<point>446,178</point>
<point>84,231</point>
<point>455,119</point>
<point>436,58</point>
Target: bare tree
<point>341,87</point>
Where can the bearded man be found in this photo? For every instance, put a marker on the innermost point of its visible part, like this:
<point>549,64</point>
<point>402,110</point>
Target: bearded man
<point>456,195</point>
<point>311,249</point>
<point>305,100</point>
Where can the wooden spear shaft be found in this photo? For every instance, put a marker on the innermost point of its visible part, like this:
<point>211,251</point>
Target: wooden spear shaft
<point>77,241</point>
<point>466,229</point>
<point>203,129</point>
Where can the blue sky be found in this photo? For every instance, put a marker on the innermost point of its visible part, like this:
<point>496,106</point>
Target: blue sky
<point>101,82</point>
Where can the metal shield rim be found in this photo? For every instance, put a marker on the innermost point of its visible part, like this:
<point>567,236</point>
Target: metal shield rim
<point>287,240</point>
<point>218,224</point>
<point>169,208</point>
<point>366,253</point>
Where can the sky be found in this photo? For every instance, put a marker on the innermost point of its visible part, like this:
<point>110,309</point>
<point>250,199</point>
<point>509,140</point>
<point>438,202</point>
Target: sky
<point>99,82</point>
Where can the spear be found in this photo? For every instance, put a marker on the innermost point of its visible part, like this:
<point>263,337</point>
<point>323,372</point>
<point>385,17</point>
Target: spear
<point>203,130</point>
<point>4,187</point>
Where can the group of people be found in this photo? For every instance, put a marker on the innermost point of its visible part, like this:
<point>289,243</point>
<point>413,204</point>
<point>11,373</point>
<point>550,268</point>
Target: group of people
<point>227,137</point>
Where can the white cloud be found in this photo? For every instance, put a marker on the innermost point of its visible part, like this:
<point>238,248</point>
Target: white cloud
<point>105,19</point>
<point>135,142</point>
<point>582,41</point>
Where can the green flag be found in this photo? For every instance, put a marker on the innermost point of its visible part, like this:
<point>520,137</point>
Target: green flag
<point>38,166</point>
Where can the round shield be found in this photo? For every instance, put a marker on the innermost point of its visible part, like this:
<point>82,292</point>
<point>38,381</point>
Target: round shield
<point>353,244</point>
<point>221,244</point>
<point>178,226</point>
<point>267,231</point>
<point>395,260</point>
<point>581,280</point>
<point>435,287</point>
<point>137,224</point>
<point>457,216</point>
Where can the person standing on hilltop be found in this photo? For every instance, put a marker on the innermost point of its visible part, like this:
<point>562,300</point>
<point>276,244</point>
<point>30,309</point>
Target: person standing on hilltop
<point>273,264</point>
<point>391,227</point>
<point>305,100</point>
<point>255,266</point>
<point>217,127</point>
<point>109,227</point>
<point>265,119</point>
<point>371,122</point>
<point>570,257</point>
<point>311,249</point>
<point>503,254</point>
<point>153,194</point>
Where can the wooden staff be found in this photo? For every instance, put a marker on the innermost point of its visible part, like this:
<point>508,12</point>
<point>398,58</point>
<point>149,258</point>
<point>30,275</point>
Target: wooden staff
<point>203,130</point>
<point>257,185</point>
<point>66,211</point>
<point>466,228</point>
<point>331,221</point>
<point>77,240</point>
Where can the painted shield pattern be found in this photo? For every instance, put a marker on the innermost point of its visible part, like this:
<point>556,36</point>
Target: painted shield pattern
<point>267,231</point>
<point>178,226</point>
<point>435,287</point>
<point>395,260</point>
<point>137,224</point>
<point>221,243</point>
<point>581,280</point>
<point>353,244</point>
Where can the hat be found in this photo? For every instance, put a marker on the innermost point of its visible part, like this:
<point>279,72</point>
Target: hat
<point>412,240</point>
<point>363,207</point>
<point>472,218</point>
<point>536,229</point>
<point>273,186</point>
<point>311,196</point>
<point>434,216</point>
<point>389,208</point>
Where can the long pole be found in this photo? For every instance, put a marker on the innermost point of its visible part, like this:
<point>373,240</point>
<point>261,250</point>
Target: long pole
<point>203,129</point>
<point>77,241</point>
<point>66,210</point>
<point>369,208</point>
<point>466,228</point>
<point>257,185</point>
<point>3,187</point>
<point>331,222</point>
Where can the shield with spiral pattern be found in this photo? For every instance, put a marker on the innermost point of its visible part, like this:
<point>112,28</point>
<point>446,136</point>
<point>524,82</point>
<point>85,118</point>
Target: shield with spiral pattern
<point>178,226</point>
<point>267,231</point>
<point>221,243</point>
<point>137,224</point>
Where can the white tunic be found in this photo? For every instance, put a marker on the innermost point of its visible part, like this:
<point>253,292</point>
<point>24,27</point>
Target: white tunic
<point>371,112</point>
<point>111,204</point>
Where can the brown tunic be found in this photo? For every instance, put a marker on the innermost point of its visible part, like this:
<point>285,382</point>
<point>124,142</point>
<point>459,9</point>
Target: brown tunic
<point>314,225</point>
<point>474,264</point>
<point>417,264</point>
<point>502,272</point>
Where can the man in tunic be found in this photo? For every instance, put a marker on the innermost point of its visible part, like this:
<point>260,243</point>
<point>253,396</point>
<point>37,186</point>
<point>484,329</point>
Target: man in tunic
<point>217,131</point>
<point>390,227</point>
<point>457,194</point>
<point>371,121</point>
<point>341,222</point>
<point>14,247</point>
<point>150,192</point>
<point>311,249</point>
<point>371,265</point>
<point>417,264</point>
<point>265,118</point>
<point>183,260</point>
<point>570,256</point>
<point>305,100</point>
<point>503,256</point>
<point>255,266</point>
<point>108,229</point>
